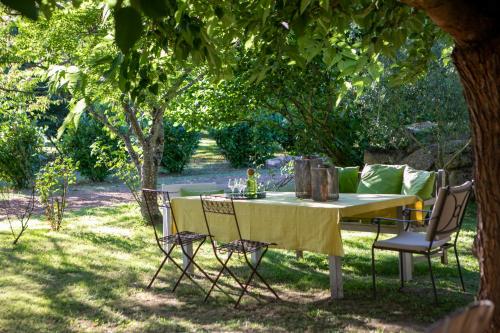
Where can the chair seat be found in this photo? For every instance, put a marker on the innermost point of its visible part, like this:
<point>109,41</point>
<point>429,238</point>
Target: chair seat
<point>412,241</point>
<point>183,238</point>
<point>238,246</point>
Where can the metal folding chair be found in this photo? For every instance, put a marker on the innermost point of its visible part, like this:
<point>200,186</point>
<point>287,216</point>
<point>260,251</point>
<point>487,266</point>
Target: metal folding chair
<point>180,238</point>
<point>213,205</point>
<point>445,220</point>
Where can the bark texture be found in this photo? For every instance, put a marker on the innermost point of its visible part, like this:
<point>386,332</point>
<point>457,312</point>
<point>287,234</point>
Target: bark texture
<point>152,150</point>
<point>479,69</point>
<point>475,28</point>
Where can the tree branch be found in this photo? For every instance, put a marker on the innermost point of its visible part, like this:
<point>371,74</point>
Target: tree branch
<point>17,90</point>
<point>134,123</point>
<point>125,138</point>
<point>190,84</point>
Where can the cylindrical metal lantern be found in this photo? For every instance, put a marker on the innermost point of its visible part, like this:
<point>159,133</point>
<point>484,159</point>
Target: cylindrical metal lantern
<point>319,184</point>
<point>333,183</point>
<point>302,170</point>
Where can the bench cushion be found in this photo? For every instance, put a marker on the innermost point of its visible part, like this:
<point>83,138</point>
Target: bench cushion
<point>192,190</point>
<point>348,179</point>
<point>418,182</point>
<point>381,179</point>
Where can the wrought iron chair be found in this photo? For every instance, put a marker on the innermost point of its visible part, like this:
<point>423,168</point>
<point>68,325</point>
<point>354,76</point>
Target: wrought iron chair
<point>444,221</point>
<point>475,318</point>
<point>180,238</point>
<point>222,206</point>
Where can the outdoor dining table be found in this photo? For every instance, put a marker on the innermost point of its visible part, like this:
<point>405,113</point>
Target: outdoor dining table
<point>290,222</point>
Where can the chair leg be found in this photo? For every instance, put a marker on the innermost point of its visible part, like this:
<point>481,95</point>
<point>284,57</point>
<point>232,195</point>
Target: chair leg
<point>190,262</point>
<point>218,275</point>
<point>158,271</point>
<point>254,272</point>
<point>459,269</point>
<point>374,287</point>
<point>264,281</point>
<point>401,275</point>
<point>432,278</point>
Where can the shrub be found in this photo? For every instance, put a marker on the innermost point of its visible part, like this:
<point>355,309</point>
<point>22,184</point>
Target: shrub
<point>180,145</point>
<point>52,183</point>
<point>243,144</point>
<point>21,144</point>
<point>77,143</point>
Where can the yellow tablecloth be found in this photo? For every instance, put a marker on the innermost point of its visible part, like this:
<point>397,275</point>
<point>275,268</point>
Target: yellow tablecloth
<point>281,218</point>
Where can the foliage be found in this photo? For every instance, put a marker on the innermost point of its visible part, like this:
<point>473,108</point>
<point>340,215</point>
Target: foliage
<point>77,143</point>
<point>52,183</point>
<point>20,148</point>
<point>436,97</point>
<point>17,210</point>
<point>245,144</point>
<point>180,144</point>
<point>118,162</point>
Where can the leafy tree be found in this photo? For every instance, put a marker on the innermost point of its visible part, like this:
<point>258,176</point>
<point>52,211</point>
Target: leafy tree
<point>180,145</point>
<point>388,28</point>
<point>126,92</point>
<point>20,149</point>
<point>77,143</point>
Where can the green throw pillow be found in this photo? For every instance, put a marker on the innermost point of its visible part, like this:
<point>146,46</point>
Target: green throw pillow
<point>192,190</point>
<point>348,179</point>
<point>418,182</point>
<point>381,179</point>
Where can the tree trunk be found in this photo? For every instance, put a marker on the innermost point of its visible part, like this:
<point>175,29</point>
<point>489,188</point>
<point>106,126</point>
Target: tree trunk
<point>152,155</point>
<point>479,69</point>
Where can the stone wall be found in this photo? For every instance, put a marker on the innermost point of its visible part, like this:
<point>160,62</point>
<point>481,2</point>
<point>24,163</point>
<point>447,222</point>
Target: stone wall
<point>452,156</point>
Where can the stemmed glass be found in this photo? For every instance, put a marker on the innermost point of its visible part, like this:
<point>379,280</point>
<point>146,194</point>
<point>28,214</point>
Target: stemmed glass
<point>232,184</point>
<point>242,184</point>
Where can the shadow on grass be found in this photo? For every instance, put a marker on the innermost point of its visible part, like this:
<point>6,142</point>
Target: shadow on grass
<point>82,280</point>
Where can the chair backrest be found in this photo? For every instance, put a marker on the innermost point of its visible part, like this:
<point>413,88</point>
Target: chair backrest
<point>162,198</point>
<point>212,204</point>
<point>475,318</point>
<point>448,212</point>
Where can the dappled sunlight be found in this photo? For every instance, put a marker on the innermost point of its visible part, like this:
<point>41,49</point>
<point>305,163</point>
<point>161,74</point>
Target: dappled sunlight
<point>92,275</point>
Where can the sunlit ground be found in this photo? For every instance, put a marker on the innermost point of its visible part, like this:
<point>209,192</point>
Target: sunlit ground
<point>92,275</point>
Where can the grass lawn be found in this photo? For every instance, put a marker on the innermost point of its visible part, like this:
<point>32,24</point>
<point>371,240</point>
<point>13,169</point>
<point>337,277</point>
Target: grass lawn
<point>91,277</point>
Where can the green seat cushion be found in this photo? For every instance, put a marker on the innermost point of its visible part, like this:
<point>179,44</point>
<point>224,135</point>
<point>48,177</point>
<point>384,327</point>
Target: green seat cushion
<point>192,190</point>
<point>348,179</point>
<point>381,179</point>
<point>418,182</point>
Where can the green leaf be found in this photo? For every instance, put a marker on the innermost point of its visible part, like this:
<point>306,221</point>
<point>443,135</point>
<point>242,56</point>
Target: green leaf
<point>308,47</point>
<point>73,116</point>
<point>78,111</point>
<point>128,28</point>
<point>304,4</point>
<point>26,7</point>
<point>154,8</point>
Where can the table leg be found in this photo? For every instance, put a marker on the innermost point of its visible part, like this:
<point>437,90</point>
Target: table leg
<point>336,284</point>
<point>256,256</point>
<point>166,226</point>
<point>407,258</point>
<point>185,262</point>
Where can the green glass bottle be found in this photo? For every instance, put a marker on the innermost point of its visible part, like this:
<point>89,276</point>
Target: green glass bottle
<point>251,184</point>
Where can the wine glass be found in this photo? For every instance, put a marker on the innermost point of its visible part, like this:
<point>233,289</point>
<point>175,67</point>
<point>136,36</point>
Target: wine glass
<point>241,185</point>
<point>232,184</point>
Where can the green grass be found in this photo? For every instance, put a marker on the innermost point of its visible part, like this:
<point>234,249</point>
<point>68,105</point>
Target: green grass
<point>91,277</point>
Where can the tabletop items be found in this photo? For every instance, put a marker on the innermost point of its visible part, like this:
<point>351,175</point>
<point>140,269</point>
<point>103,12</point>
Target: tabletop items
<point>246,188</point>
<point>315,179</point>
